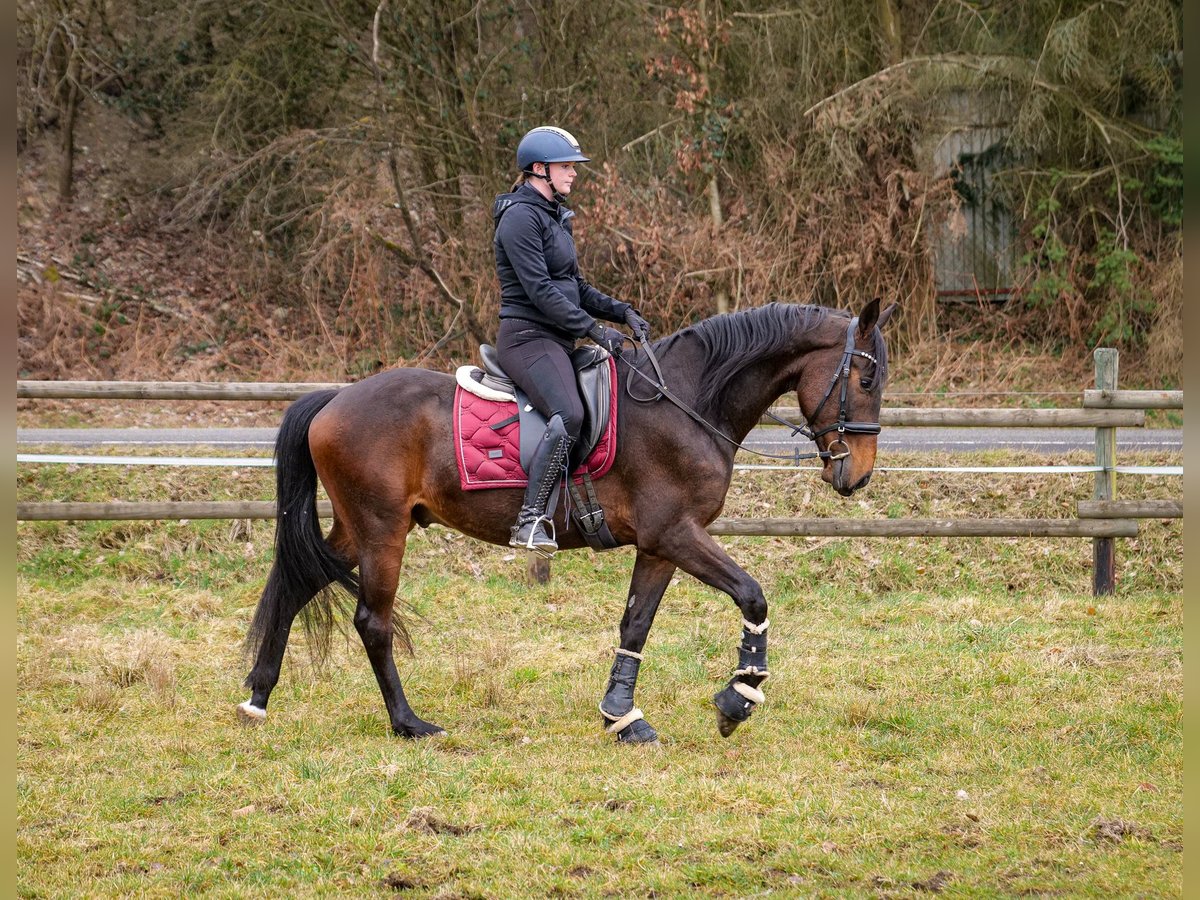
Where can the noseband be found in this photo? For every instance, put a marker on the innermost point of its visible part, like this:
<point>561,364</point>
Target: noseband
<point>841,425</point>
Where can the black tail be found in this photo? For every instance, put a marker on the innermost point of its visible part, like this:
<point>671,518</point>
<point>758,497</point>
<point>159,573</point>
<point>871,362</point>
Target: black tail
<point>305,568</point>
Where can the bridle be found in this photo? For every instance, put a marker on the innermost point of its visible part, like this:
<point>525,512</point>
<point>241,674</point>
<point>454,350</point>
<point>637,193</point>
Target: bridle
<point>843,427</point>
<point>842,375</point>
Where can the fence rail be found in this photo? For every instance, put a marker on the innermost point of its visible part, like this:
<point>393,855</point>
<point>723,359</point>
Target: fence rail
<point>773,527</point>
<point>1092,510</point>
<point>168,390</point>
<point>1114,399</point>
<point>1115,417</point>
<point>1102,518</point>
<point>1130,509</point>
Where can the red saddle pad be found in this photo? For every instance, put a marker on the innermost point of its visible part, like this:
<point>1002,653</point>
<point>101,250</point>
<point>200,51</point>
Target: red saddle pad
<point>491,458</point>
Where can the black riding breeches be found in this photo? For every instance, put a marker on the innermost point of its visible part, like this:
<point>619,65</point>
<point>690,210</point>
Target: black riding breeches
<point>539,363</point>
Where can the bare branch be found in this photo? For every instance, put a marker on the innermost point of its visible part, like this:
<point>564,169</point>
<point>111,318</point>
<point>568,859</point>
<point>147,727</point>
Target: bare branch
<point>775,14</point>
<point>375,35</point>
<point>649,134</point>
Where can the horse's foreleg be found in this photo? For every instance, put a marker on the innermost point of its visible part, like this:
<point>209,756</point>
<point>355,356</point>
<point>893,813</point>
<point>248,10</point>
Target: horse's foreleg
<point>379,572</point>
<point>651,575</point>
<point>737,700</point>
<point>694,551</point>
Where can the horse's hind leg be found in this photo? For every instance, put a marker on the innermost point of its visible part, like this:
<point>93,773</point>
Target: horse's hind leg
<point>651,575</point>
<point>379,573</point>
<point>269,660</point>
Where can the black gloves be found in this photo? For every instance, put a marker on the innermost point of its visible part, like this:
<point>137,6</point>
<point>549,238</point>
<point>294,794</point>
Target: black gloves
<point>639,326</point>
<point>611,339</point>
<point>608,338</point>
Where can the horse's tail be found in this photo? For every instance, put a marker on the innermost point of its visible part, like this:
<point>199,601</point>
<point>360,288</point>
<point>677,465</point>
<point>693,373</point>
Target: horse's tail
<point>305,568</point>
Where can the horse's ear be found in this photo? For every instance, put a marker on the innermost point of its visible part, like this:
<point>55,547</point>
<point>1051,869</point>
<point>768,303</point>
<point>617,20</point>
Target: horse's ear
<point>887,314</point>
<point>868,317</point>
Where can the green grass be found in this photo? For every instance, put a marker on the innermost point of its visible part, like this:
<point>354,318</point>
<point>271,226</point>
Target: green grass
<point>943,715</point>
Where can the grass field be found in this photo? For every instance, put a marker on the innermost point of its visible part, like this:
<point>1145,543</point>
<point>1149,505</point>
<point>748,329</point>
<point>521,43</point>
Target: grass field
<point>945,716</point>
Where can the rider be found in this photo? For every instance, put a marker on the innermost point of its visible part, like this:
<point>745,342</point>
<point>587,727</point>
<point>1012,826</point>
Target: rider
<point>545,306</point>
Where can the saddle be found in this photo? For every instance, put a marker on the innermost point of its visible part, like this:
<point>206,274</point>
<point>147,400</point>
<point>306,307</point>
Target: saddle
<point>592,372</point>
<point>483,434</point>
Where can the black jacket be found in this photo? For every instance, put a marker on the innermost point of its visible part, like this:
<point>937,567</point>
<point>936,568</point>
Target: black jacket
<point>539,274</point>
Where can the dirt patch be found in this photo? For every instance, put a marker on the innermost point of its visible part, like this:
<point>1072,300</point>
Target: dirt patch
<point>425,819</point>
<point>397,881</point>
<point>1116,830</point>
<point>967,835</point>
<point>934,884</point>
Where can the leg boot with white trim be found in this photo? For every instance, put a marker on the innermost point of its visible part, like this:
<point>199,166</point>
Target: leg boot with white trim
<point>743,694</point>
<point>534,529</point>
<point>621,717</point>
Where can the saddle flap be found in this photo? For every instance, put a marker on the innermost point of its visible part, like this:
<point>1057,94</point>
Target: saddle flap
<point>595,386</point>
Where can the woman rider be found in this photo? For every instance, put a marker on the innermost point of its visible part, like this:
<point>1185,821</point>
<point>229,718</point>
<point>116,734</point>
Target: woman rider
<point>545,306</point>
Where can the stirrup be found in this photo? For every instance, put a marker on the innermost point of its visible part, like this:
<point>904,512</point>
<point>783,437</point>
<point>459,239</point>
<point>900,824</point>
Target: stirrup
<point>544,550</point>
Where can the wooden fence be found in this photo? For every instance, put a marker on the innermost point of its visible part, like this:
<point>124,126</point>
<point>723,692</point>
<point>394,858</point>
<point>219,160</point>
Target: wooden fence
<point>1103,519</point>
<point>1113,520</point>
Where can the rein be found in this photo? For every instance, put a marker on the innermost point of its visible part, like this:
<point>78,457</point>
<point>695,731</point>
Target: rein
<point>842,426</point>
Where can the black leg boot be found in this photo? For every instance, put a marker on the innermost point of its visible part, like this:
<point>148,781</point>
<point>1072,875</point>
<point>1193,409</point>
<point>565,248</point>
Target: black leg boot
<point>739,698</point>
<point>621,717</point>
<point>534,529</point>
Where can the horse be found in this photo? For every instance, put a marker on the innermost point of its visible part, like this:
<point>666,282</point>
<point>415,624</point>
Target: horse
<point>383,450</point>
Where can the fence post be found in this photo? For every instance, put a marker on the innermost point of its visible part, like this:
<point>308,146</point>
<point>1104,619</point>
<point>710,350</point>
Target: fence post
<point>537,568</point>
<point>1104,576</point>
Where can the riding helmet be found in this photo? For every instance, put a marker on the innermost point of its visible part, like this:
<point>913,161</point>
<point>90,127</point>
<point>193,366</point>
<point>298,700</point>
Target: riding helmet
<point>547,144</point>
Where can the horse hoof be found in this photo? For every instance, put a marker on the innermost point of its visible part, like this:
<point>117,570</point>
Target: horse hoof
<point>732,709</point>
<point>249,714</point>
<point>640,732</point>
<point>421,730</point>
<point>726,725</point>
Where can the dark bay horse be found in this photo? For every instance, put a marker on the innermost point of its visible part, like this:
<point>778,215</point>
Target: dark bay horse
<point>382,449</point>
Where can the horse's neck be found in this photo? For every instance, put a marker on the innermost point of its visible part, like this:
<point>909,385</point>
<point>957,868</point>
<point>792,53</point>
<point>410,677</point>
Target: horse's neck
<point>753,391</point>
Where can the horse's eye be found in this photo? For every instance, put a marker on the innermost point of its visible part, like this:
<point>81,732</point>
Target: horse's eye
<point>864,383</point>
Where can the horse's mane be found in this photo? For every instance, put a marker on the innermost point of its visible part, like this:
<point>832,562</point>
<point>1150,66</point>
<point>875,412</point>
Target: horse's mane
<point>734,341</point>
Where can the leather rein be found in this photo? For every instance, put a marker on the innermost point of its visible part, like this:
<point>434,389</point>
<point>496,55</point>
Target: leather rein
<point>842,426</point>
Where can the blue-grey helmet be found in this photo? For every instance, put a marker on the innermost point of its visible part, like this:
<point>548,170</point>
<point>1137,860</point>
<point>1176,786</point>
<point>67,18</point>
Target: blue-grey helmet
<point>547,144</point>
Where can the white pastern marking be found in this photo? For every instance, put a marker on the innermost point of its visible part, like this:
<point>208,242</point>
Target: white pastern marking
<point>249,712</point>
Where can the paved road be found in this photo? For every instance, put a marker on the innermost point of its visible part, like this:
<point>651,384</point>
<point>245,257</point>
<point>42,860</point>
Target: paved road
<point>768,440</point>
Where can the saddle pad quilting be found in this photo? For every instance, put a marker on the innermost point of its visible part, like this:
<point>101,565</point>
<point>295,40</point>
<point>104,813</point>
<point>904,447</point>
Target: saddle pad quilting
<point>491,458</point>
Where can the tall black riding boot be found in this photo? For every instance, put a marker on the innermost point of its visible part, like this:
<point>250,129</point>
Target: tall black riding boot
<point>535,529</point>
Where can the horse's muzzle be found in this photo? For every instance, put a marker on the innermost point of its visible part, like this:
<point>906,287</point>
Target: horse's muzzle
<point>845,476</point>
